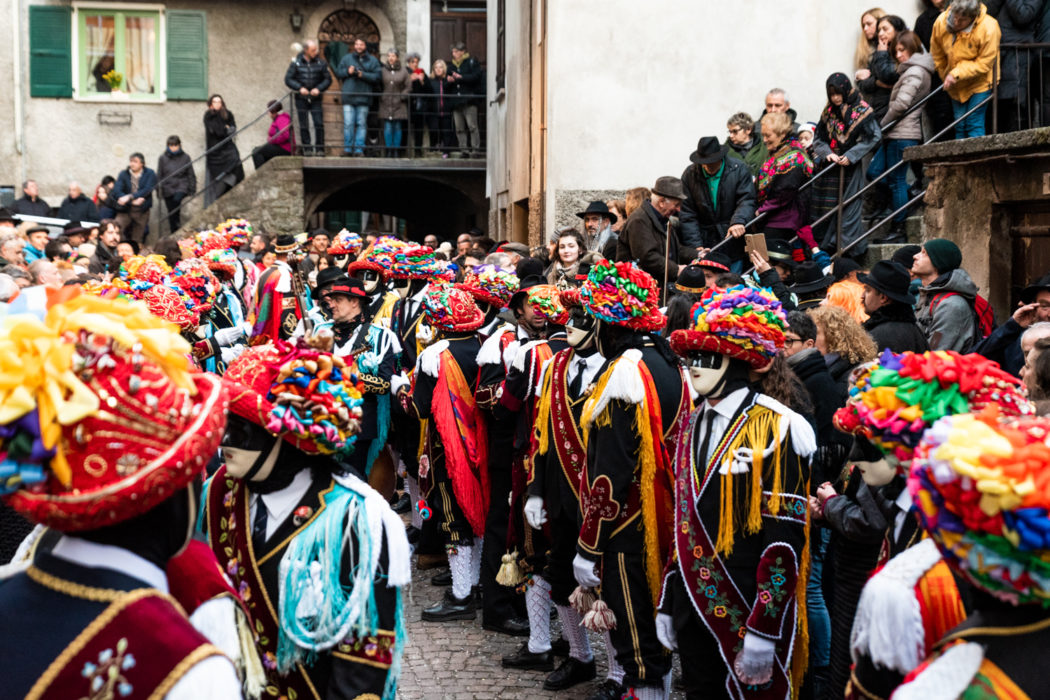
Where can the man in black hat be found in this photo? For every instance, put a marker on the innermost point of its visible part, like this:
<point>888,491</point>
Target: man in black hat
<point>644,238</point>
<point>321,312</point>
<point>889,304</point>
<point>810,285</point>
<point>1004,343</point>
<point>597,226</point>
<point>720,200</point>
<point>75,233</point>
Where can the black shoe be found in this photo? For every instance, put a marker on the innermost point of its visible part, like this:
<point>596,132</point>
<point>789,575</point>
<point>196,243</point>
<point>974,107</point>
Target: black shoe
<point>571,672</point>
<point>896,234</point>
<point>412,533</point>
<point>560,647</point>
<point>450,608</point>
<point>608,690</point>
<point>402,505</point>
<point>523,658</point>
<point>442,579</point>
<point>515,627</point>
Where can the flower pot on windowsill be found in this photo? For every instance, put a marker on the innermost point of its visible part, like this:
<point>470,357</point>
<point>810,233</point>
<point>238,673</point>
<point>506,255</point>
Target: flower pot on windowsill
<point>117,93</point>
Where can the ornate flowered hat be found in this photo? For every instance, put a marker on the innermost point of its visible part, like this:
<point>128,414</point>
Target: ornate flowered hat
<point>740,322</point>
<point>150,279</point>
<point>168,304</point>
<point>194,278</point>
<point>102,416</point>
<point>142,272</point>
<point>545,300</point>
<point>236,231</point>
<point>624,295</point>
<point>346,243</point>
<point>306,395</point>
<point>222,262</point>
<point>414,262</point>
<point>451,308</point>
<point>982,491</point>
<point>206,241</point>
<point>384,252</point>
<point>491,284</point>
<point>894,399</point>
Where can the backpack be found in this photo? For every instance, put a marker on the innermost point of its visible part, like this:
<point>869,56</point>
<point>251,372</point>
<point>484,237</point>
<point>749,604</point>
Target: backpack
<point>984,315</point>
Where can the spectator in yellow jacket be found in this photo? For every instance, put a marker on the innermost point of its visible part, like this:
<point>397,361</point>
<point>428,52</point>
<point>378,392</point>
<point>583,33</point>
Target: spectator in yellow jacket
<point>965,48</point>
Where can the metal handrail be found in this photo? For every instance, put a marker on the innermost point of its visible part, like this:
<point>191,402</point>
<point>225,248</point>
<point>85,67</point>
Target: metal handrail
<point>911,202</point>
<point>859,193</point>
<point>889,127</point>
<point>1026,87</point>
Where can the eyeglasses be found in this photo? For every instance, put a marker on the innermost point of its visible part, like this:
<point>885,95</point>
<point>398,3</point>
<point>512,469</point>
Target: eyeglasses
<point>792,341</point>
<point>735,129</point>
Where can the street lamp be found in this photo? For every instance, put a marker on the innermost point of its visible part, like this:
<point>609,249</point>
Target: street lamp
<point>296,20</point>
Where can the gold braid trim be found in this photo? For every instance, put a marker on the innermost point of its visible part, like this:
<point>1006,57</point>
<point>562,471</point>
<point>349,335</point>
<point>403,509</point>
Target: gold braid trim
<point>543,413</point>
<point>123,600</point>
<point>192,659</point>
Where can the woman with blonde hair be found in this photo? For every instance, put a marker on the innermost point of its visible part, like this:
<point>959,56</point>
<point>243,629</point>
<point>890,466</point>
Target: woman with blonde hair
<point>842,341</point>
<point>439,116</point>
<point>633,199</point>
<point>868,39</point>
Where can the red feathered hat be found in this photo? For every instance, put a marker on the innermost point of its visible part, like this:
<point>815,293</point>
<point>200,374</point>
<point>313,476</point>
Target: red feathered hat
<point>452,309</point>
<point>108,418</point>
<point>356,265</point>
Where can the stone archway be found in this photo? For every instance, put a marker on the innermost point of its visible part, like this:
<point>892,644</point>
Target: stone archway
<point>371,10</point>
<point>347,26</point>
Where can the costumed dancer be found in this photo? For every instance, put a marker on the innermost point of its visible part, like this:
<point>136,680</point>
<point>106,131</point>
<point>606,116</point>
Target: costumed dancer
<point>228,329</point>
<point>629,424</point>
<point>345,248</point>
<point>502,607</point>
<point>278,308</point>
<point>316,554</point>
<point>105,429</point>
<point>374,351</point>
<point>319,317</point>
<point>492,287</point>
<point>452,460</point>
<point>559,458</point>
<point>238,233</point>
<point>913,600</point>
<point>374,272</point>
<point>733,603</point>
<point>518,402</point>
<point>982,493</point>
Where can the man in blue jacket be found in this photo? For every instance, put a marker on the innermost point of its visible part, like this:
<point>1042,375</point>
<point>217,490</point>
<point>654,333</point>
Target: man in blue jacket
<point>133,195</point>
<point>360,73</point>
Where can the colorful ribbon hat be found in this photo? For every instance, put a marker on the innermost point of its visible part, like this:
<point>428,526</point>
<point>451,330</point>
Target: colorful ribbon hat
<point>740,322</point>
<point>491,284</point>
<point>451,308</point>
<point>624,295</point>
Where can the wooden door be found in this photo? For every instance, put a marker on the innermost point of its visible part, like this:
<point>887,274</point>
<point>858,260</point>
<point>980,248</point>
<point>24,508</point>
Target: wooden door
<point>464,21</point>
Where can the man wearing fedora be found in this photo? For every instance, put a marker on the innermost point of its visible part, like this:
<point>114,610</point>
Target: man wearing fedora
<point>890,307</point>
<point>644,237</point>
<point>810,285</point>
<point>720,200</point>
<point>597,226</point>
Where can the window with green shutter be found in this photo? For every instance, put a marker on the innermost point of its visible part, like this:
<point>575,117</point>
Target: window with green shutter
<point>118,53</point>
<point>187,55</point>
<point>50,59</point>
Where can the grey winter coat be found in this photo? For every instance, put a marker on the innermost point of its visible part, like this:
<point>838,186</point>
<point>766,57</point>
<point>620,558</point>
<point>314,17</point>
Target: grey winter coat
<point>916,77</point>
<point>945,313</point>
<point>397,84</point>
<point>358,88</point>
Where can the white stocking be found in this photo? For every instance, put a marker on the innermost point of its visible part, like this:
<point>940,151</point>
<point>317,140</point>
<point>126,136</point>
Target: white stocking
<point>412,486</point>
<point>475,563</point>
<point>538,605</point>
<point>459,565</point>
<point>615,670</point>
<point>650,693</point>
<point>579,645</point>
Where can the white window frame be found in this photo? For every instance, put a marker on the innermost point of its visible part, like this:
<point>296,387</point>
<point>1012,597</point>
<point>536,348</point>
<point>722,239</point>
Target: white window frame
<point>162,39</point>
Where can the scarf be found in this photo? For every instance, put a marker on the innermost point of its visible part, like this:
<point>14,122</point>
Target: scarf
<point>842,122</point>
<point>789,155</point>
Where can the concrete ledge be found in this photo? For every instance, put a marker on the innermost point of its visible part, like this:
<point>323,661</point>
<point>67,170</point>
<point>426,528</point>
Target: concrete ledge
<point>1001,145</point>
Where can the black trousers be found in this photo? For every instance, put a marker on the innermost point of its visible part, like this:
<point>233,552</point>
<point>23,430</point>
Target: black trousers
<point>171,203</point>
<point>448,516</point>
<point>499,603</point>
<point>704,673</point>
<point>310,108</point>
<point>263,153</point>
<point>564,533</point>
<point>442,136</point>
<point>625,590</point>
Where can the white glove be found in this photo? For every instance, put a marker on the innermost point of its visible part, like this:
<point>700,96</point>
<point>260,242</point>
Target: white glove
<point>665,631</point>
<point>248,328</point>
<point>226,337</point>
<point>230,354</point>
<point>534,512</point>
<point>399,381</point>
<point>754,663</point>
<point>583,570</point>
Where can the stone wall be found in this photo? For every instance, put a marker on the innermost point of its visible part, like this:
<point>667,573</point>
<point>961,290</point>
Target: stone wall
<point>975,184</point>
<point>568,202</point>
<point>272,198</point>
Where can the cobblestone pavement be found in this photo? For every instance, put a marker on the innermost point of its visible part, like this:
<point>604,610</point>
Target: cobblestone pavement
<point>461,660</point>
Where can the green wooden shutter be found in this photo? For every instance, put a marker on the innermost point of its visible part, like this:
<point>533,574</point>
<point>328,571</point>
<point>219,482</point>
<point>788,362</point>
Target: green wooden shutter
<point>50,51</point>
<point>187,55</point>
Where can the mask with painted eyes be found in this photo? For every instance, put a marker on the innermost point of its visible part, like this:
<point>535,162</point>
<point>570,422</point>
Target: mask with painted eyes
<point>341,261</point>
<point>249,450</point>
<point>402,287</point>
<point>707,373</point>
<point>878,473</point>
<point>369,279</point>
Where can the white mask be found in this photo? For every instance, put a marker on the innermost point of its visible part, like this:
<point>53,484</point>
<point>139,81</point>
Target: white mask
<point>579,338</point>
<point>239,461</point>
<point>707,379</point>
<point>879,473</point>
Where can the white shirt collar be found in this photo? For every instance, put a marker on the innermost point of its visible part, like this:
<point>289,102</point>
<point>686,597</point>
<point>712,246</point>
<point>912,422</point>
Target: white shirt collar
<point>280,504</point>
<point>107,556</point>
<point>728,406</point>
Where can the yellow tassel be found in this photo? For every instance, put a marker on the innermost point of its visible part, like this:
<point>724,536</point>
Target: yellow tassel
<point>778,476</point>
<point>724,543</point>
<point>543,415</point>
<point>800,654</point>
<point>647,460</point>
<point>754,506</point>
<point>422,437</point>
<point>509,573</point>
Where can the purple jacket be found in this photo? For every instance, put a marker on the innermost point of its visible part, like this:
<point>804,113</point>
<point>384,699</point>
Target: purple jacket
<point>281,133</point>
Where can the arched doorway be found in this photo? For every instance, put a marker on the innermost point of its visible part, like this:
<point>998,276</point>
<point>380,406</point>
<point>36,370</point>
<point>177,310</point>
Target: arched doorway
<point>346,26</point>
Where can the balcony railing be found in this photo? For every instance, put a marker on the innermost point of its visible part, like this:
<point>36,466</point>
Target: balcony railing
<point>1021,95</point>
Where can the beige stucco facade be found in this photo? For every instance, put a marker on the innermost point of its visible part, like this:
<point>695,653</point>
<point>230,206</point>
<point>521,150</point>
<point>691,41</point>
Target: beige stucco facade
<point>604,95</point>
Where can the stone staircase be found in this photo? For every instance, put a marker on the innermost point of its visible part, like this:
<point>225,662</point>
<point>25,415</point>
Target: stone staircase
<point>914,231</point>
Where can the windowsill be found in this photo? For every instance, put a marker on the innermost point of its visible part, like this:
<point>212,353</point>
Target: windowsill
<point>123,99</point>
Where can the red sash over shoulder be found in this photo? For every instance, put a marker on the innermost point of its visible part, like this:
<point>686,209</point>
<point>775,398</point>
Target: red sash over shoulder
<point>138,647</point>
<point>568,443</point>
